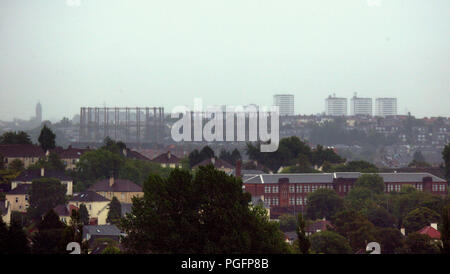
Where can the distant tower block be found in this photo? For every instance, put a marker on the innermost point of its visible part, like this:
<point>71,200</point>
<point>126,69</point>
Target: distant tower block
<point>285,102</point>
<point>39,112</point>
<point>127,124</point>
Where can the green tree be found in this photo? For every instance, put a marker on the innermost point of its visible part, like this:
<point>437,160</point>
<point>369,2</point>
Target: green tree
<point>323,203</point>
<point>354,166</point>
<point>205,213</point>
<point>356,228</point>
<point>445,229</point>
<point>303,242</point>
<point>329,242</point>
<point>287,222</point>
<point>84,214</point>
<point>420,217</point>
<point>50,162</point>
<point>373,182</point>
<point>416,243</point>
<point>115,211</point>
<point>380,217</point>
<point>17,241</point>
<point>16,165</point>
<point>47,139</point>
<point>321,155</point>
<point>45,194</point>
<point>12,138</point>
<point>446,157</point>
<point>3,237</point>
<point>389,238</point>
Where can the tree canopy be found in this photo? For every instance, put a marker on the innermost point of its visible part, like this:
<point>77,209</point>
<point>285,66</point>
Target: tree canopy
<point>47,138</point>
<point>205,213</point>
<point>12,138</point>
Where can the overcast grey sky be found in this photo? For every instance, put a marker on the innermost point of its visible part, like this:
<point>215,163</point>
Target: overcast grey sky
<point>166,53</point>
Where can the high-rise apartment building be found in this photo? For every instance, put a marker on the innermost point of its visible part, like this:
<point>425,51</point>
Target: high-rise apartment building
<point>385,106</point>
<point>285,102</point>
<point>360,106</point>
<point>336,106</point>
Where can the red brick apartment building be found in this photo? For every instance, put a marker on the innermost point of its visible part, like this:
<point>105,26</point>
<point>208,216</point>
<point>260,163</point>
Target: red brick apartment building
<point>287,193</point>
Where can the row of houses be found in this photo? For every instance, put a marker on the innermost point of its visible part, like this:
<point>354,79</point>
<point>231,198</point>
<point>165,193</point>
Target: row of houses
<point>96,198</point>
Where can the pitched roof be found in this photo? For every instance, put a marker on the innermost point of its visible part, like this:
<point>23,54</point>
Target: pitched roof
<point>132,154</point>
<point>216,162</point>
<point>319,225</point>
<point>20,189</point>
<point>120,185</point>
<point>166,158</point>
<point>292,177</point>
<point>328,177</point>
<point>61,210</point>
<point>88,196</point>
<point>102,230</point>
<point>21,150</point>
<point>430,231</point>
<point>70,152</point>
<point>30,175</point>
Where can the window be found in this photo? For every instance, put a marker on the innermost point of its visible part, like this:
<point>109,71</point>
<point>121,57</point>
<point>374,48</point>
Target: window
<point>345,188</point>
<point>306,189</point>
<point>122,196</point>
<point>299,201</point>
<point>441,187</point>
<point>275,189</point>
<point>267,201</point>
<point>275,201</point>
<point>292,201</point>
<point>291,189</point>
<point>305,200</point>
<point>434,187</point>
<point>90,207</point>
<point>314,187</point>
<point>267,189</point>
<point>419,187</point>
<point>299,189</point>
<point>397,187</point>
<point>17,199</point>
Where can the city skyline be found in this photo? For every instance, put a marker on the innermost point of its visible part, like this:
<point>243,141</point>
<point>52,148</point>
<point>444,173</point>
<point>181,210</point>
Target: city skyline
<point>141,54</point>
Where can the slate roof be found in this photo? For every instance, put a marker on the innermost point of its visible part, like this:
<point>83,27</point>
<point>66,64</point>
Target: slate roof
<point>120,185</point>
<point>30,175</point>
<point>293,178</point>
<point>21,150</point>
<point>70,152</point>
<point>166,158</point>
<point>101,230</point>
<point>20,189</point>
<point>62,210</point>
<point>328,177</point>
<point>132,154</point>
<point>218,163</point>
<point>88,196</point>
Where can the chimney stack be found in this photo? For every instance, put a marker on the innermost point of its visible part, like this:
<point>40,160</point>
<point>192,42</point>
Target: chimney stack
<point>111,181</point>
<point>238,168</point>
<point>168,154</point>
<point>42,172</point>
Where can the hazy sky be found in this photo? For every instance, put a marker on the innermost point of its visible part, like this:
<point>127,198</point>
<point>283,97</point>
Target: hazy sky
<point>166,53</point>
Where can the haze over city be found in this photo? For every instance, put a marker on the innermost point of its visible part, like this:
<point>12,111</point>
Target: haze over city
<point>149,53</point>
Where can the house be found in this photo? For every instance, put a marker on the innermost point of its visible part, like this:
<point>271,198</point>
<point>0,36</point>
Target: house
<point>123,190</point>
<point>317,226</point>
<point>5,211</point>
<point>27,177</point>
<point>132,154</point>
<point>64,212</point>
<point>97,206</point>
<point>18,197</point>
<point>432,231</point>
<point>93,232</point>
<point>69,156</point>
<point>28,154</point>
<point>217,163</point>
<point>167,160</point>
<point>287,193</point>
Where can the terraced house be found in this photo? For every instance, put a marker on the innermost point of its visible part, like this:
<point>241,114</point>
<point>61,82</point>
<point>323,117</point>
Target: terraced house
<point>285,193</point>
